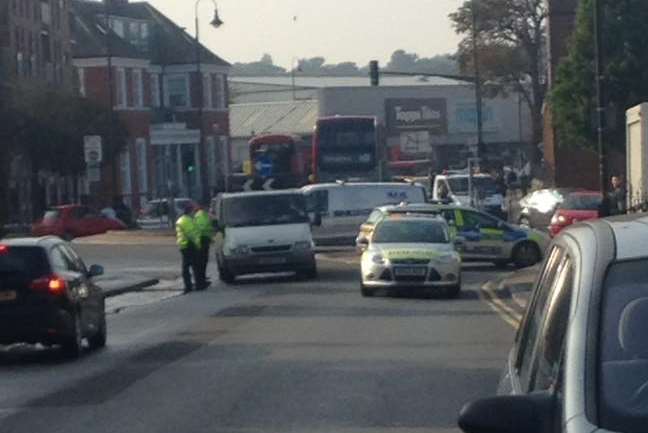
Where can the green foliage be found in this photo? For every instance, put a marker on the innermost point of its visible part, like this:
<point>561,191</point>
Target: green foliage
<point>625,72</point>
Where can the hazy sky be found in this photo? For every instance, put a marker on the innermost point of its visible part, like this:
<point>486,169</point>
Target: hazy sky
<point>339,30</point>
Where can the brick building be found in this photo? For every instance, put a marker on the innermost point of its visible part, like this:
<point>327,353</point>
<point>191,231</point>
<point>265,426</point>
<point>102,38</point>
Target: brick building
<point>567,166</point>
<point>154,85</point>
<point>35,48</point>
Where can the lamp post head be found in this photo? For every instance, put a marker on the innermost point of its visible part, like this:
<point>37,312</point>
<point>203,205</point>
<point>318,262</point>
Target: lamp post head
<point>216,22</point>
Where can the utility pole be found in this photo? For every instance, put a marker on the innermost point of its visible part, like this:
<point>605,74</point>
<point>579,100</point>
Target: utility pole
<point>111,100</point>
<point>478,90</point>
<point>600,107</point>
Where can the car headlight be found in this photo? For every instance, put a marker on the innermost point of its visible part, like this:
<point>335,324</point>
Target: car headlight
<point>303,245</point>
<point>378,259</point>
<point>447,258</point>
<point>240,250</point>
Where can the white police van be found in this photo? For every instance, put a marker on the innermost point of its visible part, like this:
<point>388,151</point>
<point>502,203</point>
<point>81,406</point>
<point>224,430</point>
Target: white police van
<point>338,209</point>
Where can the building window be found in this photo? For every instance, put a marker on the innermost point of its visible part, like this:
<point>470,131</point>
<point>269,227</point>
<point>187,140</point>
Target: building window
<point>45,47</point>
<point>20,70</point>
<point>117,26</point>
<point>207,91</point>
<point>125,171</point>
<point>120,90</point>
<point>177,91</point>
<point>82,81</point>
<point>46,13</point>
<point>138,91</point>
<point>142,165</point>
<point>222,92</point>
<point>155,90</point>
<point>144,31</point>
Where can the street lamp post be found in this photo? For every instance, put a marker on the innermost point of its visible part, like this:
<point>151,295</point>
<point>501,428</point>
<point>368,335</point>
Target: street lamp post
<point>478,90</point>
<point>600,106</point>
<point>202,151</point>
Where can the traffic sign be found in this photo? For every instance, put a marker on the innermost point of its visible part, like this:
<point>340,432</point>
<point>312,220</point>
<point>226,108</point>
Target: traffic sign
<point>92,149</point>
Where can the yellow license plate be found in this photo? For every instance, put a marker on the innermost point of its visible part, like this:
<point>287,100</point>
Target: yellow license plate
<point>7,296</point>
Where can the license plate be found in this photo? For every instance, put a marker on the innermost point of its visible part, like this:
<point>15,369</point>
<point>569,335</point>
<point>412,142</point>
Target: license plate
<point>7,296</point>
<point>410,272</point>
<point>272,260</point>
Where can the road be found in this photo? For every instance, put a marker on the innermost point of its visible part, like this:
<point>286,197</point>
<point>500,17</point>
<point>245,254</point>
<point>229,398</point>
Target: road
<point>266,355</point>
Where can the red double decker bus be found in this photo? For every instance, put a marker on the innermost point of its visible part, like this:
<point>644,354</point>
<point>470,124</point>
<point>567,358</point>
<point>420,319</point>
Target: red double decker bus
<point>346,148</point>
<point>283,158</point>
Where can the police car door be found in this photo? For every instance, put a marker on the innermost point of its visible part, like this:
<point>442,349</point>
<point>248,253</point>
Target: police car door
<point>483,238</point>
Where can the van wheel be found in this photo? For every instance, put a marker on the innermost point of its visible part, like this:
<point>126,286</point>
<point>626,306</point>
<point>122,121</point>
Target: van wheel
<point>454,291</point>
<point>98,340</point>
<point>366,291</point>
<point>526,254</point>
<point>308,274</point>
<point>225,275</point>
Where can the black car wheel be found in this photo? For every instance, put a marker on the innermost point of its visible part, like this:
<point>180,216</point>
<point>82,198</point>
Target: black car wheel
<point>226,275</point>
<point>309,273</point>
<point>526,254</point>
<point>454,291</point>
<point>73,345</point>
<point>98,340</point>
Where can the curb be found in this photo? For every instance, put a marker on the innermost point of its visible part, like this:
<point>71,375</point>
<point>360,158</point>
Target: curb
<point>137,287</point>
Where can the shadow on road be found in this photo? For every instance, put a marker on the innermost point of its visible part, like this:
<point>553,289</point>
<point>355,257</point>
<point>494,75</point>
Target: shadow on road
<point>26,355</point>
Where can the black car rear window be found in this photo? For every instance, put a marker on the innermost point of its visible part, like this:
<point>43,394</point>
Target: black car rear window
<point>27,262</point>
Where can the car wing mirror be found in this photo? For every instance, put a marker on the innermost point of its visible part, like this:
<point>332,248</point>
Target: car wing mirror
<point>529,413</point>
<point>459,242</point>
<point>362,243</point>
<point>95,271</point>
<point>316,219</point>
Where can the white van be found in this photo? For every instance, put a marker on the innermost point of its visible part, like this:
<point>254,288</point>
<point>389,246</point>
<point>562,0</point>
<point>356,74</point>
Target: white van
<point>260,232</point>
<point>453,188</point>
<point>337,210</point>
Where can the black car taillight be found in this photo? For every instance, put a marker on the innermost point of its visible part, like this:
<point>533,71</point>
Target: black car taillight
<point>52,284</point>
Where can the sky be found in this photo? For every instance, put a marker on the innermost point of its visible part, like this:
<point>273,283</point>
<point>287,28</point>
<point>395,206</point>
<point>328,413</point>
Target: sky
<point>338,30</point>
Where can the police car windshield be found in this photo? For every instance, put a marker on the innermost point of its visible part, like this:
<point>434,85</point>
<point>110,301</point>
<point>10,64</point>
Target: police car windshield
<point>485,185</point>
<point>261,210</point>
<point>418,231</point>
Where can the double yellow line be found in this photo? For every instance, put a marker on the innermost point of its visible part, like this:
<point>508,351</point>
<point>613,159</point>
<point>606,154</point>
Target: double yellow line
<point>507,313</point>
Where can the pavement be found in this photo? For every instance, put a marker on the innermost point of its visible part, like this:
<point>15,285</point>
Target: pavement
<point>268,354</point>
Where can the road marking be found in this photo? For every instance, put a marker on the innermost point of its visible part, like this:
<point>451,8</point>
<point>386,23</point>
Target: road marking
<point>506,313</point>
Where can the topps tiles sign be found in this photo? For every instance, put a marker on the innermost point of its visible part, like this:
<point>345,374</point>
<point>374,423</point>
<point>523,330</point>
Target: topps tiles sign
<point>414,114</point>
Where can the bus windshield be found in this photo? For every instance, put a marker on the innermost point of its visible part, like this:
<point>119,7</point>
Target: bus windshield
<point>347,144</point>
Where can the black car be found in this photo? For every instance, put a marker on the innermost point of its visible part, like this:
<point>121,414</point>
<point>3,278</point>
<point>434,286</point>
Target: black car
<point>47,296</point>
<point>536,209</point>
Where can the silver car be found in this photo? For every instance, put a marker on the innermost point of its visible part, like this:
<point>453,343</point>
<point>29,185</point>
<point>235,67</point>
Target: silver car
<point>408,252</point>
<point>580,359</point>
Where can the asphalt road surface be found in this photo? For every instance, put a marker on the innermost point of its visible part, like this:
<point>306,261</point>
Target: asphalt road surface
<point>266,355</point>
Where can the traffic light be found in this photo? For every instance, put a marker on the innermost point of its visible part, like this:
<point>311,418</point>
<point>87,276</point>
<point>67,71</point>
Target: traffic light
<point>374,73</point>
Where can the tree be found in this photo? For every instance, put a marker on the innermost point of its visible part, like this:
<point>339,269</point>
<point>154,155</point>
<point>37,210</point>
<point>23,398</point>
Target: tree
<point>625,72</point>
<point>402,61</point>
<point>510,41</point>
<point>263,67</point>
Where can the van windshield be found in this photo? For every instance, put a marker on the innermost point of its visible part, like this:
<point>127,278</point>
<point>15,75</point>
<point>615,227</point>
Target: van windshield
<point>485,185</point>
<point>262,210</point>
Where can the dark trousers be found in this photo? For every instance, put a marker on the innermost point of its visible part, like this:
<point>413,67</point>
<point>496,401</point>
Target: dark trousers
<point>189,266</point>
<point>204,259</point>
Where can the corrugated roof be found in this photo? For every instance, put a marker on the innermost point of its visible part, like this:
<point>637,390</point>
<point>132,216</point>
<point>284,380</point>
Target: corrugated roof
<point>293,117</point>
<point>169,43</point>
<point>322,82</point>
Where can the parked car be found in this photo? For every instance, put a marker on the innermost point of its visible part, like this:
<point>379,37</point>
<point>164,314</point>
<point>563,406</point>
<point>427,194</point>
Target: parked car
<point>155,214</point>
<point>337,209</point>
<point>74,221</point>
<point>47,295</point>
<point>485,237</point>
<point>579,362</point>
<point>261,232</point>
<point>577,206</point>
<point>411,252</point>
<point>536,209</point>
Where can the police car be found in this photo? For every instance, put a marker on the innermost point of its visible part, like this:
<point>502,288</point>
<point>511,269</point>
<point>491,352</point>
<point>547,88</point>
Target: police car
<point>409,251</point>
<point>483,237</point>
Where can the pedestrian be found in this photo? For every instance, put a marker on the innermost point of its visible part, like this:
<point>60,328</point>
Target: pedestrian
<point>617,196</point>
<point>205,229</point>
<point>189,242</point>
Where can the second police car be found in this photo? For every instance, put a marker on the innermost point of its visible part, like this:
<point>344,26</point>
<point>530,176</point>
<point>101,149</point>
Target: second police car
<point>410,252</point>
<point>483,237</point>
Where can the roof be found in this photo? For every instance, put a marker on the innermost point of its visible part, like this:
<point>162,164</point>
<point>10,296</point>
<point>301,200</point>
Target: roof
<point>356,184</point>
<point>30,242</point>
<point>292,117</point>
<point>169,44</point>
<point>359,81</point>
<point>630,234</point>
<point>260,193</point>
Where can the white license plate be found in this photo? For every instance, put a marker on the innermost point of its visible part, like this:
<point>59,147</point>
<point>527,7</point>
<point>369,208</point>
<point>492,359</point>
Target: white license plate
<point>410,272</point>
<point>7,296</point>
<point>272,260</point>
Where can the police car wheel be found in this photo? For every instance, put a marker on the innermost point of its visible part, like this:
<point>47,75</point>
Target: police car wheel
<point>454,291</point>
<point>225,275</point>
<point>526,254</point>
<point>366,291</point>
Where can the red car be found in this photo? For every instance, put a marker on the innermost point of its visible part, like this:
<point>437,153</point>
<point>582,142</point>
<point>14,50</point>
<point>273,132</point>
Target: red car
<point>577,206</point>
<point>74,221</point>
